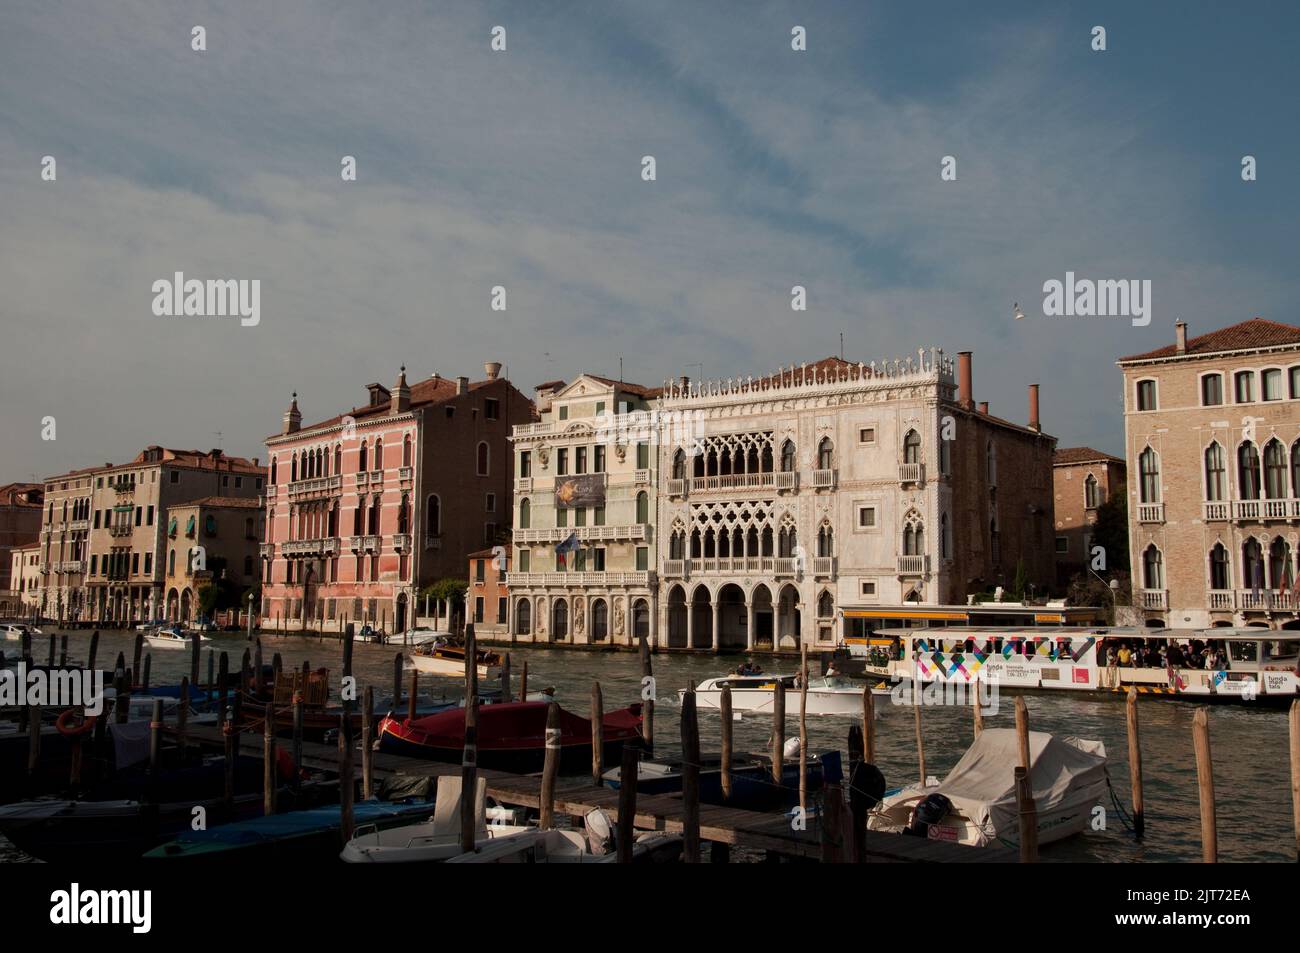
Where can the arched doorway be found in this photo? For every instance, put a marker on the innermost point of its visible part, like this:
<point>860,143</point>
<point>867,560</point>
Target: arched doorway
<point>173,606</point>
<point>677,618</point>
<point>399,619</point>
<point>788,621</point>
<point>761,600</point>
<point>701,619</point>
<point>732,618</point>
<point>640,620</point>
<point>599,620</point>
<point>185,606</point>
<point>560,620</point>
<point>524,617</point>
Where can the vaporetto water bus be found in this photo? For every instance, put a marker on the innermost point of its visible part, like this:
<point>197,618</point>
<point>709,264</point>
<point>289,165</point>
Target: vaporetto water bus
<point>1218,664</point>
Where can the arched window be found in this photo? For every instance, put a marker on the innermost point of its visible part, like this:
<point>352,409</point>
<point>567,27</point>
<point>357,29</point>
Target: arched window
<point>787,456</point>
<point>825,454</point>
<point>991,464</point>
<point>1090,500</point>
<point>825,540</point>
<point>1295,469</point>
<point>433,515</point>
<point>599,620</point>
<point>523,617</point>
<point>912,447</point>
<point>361,466</point>
<point>642,507</point>
<point>825,605</point>
<point>406,450</point>
<point>1248,471</point>
<point>483,460</point>
<point>403,515</point>
<point>375,511</point>
<point>1220,578</point>
<point>1275,480</point>
<point>1252,564</point>
<point>913,535</point>
<point>560,620</point>
<point>1153,568</point>
<point>293,469</point>
<point>273,469</point>
<point>248,565</point>
<point>679,465</point>
<point>379,454</point>
<point>525,513</point>
<point>1149,469</point>
<point>338,458</point>
<point>1279,564</point>
<point>1216,478</point>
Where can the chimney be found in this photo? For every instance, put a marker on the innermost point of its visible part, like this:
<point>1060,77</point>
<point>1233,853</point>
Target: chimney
<point>1033,409</point>
<point>1180,330</point>
<point>491,369</point>
<point>984,407</point>
<point>401,401</point>
<point>964,397</point>
<point>462,385</point>
<point>292,418</point>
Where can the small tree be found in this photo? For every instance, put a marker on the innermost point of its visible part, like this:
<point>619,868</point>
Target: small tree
<point>1111,530</point>
<point>207,600</point>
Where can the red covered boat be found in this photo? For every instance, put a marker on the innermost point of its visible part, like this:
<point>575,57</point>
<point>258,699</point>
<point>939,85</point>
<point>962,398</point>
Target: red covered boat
<point>511,737</point>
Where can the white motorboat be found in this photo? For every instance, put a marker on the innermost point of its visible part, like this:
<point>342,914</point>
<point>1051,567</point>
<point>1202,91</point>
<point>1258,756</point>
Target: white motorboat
<point>440,657</point>
<point>14,631</point>
<point>976,803</point>
<point>829,695</point>
<point>173,637</point>
<point>423,635</point>
<point>438,839</point>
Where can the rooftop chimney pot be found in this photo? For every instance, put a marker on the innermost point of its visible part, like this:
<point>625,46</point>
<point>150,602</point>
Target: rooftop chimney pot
<point>964,389</point>
<point>1180,333</point>
<point>1033,409</point>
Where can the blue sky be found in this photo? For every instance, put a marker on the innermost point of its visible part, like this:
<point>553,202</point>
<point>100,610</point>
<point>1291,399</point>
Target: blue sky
<point>521,168</point>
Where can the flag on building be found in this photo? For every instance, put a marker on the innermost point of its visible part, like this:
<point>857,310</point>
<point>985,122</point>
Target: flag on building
<point>570,545</point>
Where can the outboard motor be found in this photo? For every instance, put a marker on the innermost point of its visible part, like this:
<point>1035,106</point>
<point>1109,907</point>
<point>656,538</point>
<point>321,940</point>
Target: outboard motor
<point>932,810</point>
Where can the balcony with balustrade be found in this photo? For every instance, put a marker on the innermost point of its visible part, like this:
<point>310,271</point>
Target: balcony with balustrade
<point>913,565</point>
<point>1154,599</point>
<point>401,542</point>
<point>524,485</point>
<point>911,473</point>
<point>324,546</point>
<point>823,479</point>
<point>635,532</point>
<point>1151,512</point>
<point>314,488</point>
<point>367,544</point>
<point>575,580</point>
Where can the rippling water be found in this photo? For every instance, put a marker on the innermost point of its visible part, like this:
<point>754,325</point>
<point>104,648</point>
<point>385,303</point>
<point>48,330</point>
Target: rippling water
<point>1249,744</point>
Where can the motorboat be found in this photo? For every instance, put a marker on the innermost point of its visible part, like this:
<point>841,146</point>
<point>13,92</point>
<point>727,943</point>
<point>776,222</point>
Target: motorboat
<point>441,657</point>
<point>511,736</point>
<point>173,637</point>
<point>14,631</point>
<point>976,803</point>
<point>828,695</point>
<point>752,788</point>
<point>423,635</point>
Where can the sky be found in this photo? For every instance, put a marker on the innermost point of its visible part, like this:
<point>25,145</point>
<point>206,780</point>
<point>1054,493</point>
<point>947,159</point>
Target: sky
<point>523,169</point>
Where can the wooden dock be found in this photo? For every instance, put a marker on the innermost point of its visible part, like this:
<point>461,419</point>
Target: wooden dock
<point>750,830</point>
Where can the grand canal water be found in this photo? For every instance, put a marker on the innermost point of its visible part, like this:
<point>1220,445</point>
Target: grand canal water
<point>1249,743</point>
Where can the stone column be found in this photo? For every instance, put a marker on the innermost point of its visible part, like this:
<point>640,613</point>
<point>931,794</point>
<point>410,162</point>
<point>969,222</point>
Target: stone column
<point>717,618</point>
<point>690,623</point>
<point>749,622</point>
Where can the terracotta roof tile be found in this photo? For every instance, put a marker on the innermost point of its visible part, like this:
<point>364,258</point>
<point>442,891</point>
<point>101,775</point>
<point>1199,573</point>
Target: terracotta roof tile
<point>1067,456</point>
<point>1255,333</point>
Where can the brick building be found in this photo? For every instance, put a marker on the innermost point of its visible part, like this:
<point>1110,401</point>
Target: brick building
<point>20,525</point>
<point>1083,479</point>
<point>102,540</point>
<point>1212,440</point>
<point>366,508</point>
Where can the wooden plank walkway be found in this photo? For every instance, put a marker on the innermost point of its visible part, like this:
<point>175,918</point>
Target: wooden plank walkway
<point>723,825</point>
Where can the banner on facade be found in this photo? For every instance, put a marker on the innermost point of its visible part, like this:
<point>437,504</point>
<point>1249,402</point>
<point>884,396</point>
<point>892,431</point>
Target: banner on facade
<point>587,489</point>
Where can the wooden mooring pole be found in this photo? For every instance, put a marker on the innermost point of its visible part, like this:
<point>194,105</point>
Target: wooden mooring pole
<point>550,768</point>
<point>505,680</point>
<point>1022,731</point>
<point>1205,786</point>
<point>868,726</point>
<point>728,731</point>
<point>1294,725</point>
<point>523,683</point>
<point>1135,763</point>
<point>397,681</point>
<point>268,762</point>
<point>627,777</point>
<point>803,728</point>
<point>347,785</point>
<point>778,732</point>
<point>1027,815</point>
<point>367,742</point>
<point>597,735</point>
<point>690,779</point>
<point>647,695</point>
<point>469,755</point>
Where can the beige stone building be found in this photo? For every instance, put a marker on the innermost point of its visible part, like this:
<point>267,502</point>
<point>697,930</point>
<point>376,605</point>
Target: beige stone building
<point>102,540</point>
<point>213,538</point>
<point>1082,480</point>
<point>24,595</point>
<point>586,472</point>
<point>1212,439</point>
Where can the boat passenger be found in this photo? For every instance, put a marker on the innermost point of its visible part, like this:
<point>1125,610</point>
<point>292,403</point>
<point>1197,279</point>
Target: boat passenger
<point>1125,655</point>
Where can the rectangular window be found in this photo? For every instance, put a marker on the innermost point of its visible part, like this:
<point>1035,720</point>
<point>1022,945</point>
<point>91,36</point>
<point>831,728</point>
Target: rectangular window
<point>598,556</point>
<point>524,560</point>
<point>867,435</point>
<point>174,476</point>
<point>478,569</point>
<point>1244,387</point>
<point>580,516</point>
<point>580,560</point>
<point>868,588</point>
<point>1062,544</point>
<point>866,517</point>
<point>491,503</point>
<point>643,456</point>
<point>149,516</point>
<point>492,409</point>
<point>580,460</point>
<point>501,611</point>
<point>478,612</point>
<point>1211,390</point>
<point>642,559</point>
<point>148,563</point>
<point>258,483</point>
<point>97,519</point>
<point>562,461</point>
<point>600,407</point>
<point>225,481</point>
<point>564,413</point>
<point>1146,395</point>
<point>135,563</point>
<point>598,515</point>
<point>1294,375</point>
<point>489,533</point>
<point>561,517</point>
<point>598,462</point>
<point>94,564</point>
<point>525,464</point>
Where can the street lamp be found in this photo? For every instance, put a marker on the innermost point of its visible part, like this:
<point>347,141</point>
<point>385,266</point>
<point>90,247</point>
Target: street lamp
<point>250,615</point>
